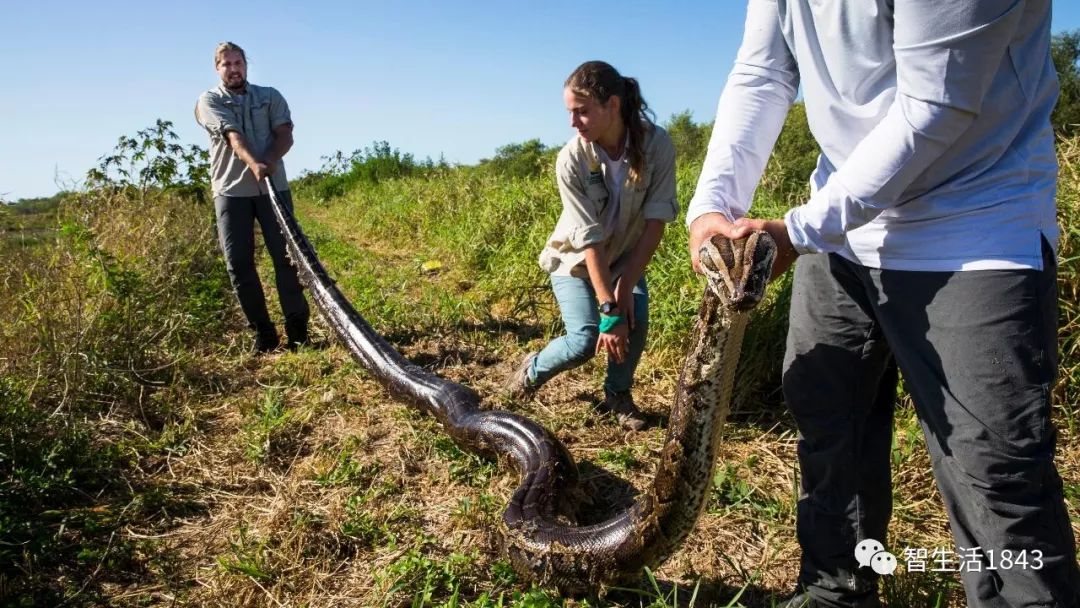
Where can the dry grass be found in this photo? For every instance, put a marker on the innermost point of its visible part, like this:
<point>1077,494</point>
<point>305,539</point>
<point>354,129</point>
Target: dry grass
<point>291,518</point>
<point>362,505</point>
<point>301,482</point>
<point>360,502</point>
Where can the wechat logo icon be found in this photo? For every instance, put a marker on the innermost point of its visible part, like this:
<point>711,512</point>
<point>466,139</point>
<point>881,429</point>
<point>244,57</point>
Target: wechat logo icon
<point>872,554</point>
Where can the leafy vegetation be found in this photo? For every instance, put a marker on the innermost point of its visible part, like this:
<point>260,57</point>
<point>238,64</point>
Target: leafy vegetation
<point>101,353</point>
<point>1065,50</point>
<point>152,160</point>
<point>527,159</point>
<point>341,174</point>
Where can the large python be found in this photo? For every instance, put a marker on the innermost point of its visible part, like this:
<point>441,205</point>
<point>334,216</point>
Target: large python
<point>537,530</point>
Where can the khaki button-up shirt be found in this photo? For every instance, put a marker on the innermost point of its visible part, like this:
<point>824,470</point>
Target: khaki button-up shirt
<point>255,115</point>
<point>580,175</point>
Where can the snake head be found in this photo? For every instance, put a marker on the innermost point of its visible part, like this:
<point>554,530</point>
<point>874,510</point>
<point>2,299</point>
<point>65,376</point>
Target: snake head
<point>738,270</point>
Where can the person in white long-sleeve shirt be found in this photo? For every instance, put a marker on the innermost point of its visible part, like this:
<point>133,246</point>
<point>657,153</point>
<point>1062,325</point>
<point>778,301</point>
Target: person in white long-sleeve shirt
<point>927,245</point>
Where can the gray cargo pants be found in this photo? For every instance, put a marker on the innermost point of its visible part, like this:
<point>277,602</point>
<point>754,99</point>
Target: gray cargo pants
<point>978,351</point>
<point>236,217</point>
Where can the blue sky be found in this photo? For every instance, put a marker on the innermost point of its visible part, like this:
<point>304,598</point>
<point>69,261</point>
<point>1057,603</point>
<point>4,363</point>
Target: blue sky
<point>457,79</point>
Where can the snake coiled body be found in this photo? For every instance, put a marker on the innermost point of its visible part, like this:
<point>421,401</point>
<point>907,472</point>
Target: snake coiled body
<point>540,539</point>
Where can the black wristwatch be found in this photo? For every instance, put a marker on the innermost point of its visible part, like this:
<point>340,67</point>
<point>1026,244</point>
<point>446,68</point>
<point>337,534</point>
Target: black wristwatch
<point>607,308</point>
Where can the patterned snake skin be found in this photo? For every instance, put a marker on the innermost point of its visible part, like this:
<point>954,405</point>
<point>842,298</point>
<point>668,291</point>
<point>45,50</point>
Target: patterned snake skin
<point>541,541</point>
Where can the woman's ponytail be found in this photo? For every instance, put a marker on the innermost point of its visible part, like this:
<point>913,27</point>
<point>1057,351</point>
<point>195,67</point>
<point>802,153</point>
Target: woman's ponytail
<point>599,81</point>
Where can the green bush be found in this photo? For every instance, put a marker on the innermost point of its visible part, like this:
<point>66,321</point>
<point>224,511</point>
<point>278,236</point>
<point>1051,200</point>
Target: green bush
<point>787,174</point>
<point>691,140</point>
<point>151,160</point>
<point>1065,50</point>
<point>527,159</point>
<point>379,162</point>
<point>96,357</point>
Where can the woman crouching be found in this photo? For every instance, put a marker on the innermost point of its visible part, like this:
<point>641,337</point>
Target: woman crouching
<point>616,179</point>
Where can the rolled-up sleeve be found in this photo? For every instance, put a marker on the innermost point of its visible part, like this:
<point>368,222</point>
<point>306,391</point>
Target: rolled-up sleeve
<point>947,55</point>
<point>660,198</point>
<point>751,112</point>
<point>214,116</point>
<point>579,213</point>
<point>279,110</point>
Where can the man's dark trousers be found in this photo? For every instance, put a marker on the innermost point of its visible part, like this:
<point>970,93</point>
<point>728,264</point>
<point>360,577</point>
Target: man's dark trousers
<point>236,216</point>
<point>978,351</point>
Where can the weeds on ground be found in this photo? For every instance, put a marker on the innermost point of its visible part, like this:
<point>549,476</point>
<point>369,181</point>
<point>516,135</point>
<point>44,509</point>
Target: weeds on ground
<point>97,353</point>
<point>145,452</point>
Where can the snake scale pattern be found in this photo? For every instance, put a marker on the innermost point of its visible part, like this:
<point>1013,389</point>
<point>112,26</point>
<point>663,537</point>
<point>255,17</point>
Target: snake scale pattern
<point>537,528</point>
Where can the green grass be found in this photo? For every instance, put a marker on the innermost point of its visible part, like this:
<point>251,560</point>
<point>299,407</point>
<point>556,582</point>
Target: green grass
<point>270,423</point>
<point>248,557</point>
<point>735,489</point>
<point>622,459</point>
<point>144,450</point>
<point>97,359</point>
<point>465,467</point>
<point>486,233</point>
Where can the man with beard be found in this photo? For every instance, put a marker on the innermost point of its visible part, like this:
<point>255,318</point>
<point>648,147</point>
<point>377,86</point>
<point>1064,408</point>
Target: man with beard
<point>250,131</point>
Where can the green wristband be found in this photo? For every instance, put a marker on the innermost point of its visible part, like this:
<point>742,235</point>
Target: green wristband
<point>607,322</point>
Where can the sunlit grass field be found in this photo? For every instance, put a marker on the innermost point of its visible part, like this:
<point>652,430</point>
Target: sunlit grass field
<point>149,459</point>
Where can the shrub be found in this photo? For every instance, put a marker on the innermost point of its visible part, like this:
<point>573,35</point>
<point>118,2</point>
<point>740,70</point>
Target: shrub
<point>787,174</point>
<point>152,160</point>
<point>527,159</point>
<point>1065,50</point>
<point>379,162</point>
<point>691,140</point>
<point>95,363</point>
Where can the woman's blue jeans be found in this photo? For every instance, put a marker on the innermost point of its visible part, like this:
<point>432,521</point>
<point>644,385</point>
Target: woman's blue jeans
<point>580,314</point>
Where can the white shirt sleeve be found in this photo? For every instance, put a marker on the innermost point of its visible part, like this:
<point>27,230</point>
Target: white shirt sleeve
<point>947,54</point>
<point>759,91</point>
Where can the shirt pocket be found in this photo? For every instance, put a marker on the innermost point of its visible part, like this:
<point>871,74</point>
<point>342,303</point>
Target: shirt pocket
<point>1022,82</point>
<point>597,194</point>
<point>260,118</point>
<point>233,112</point>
